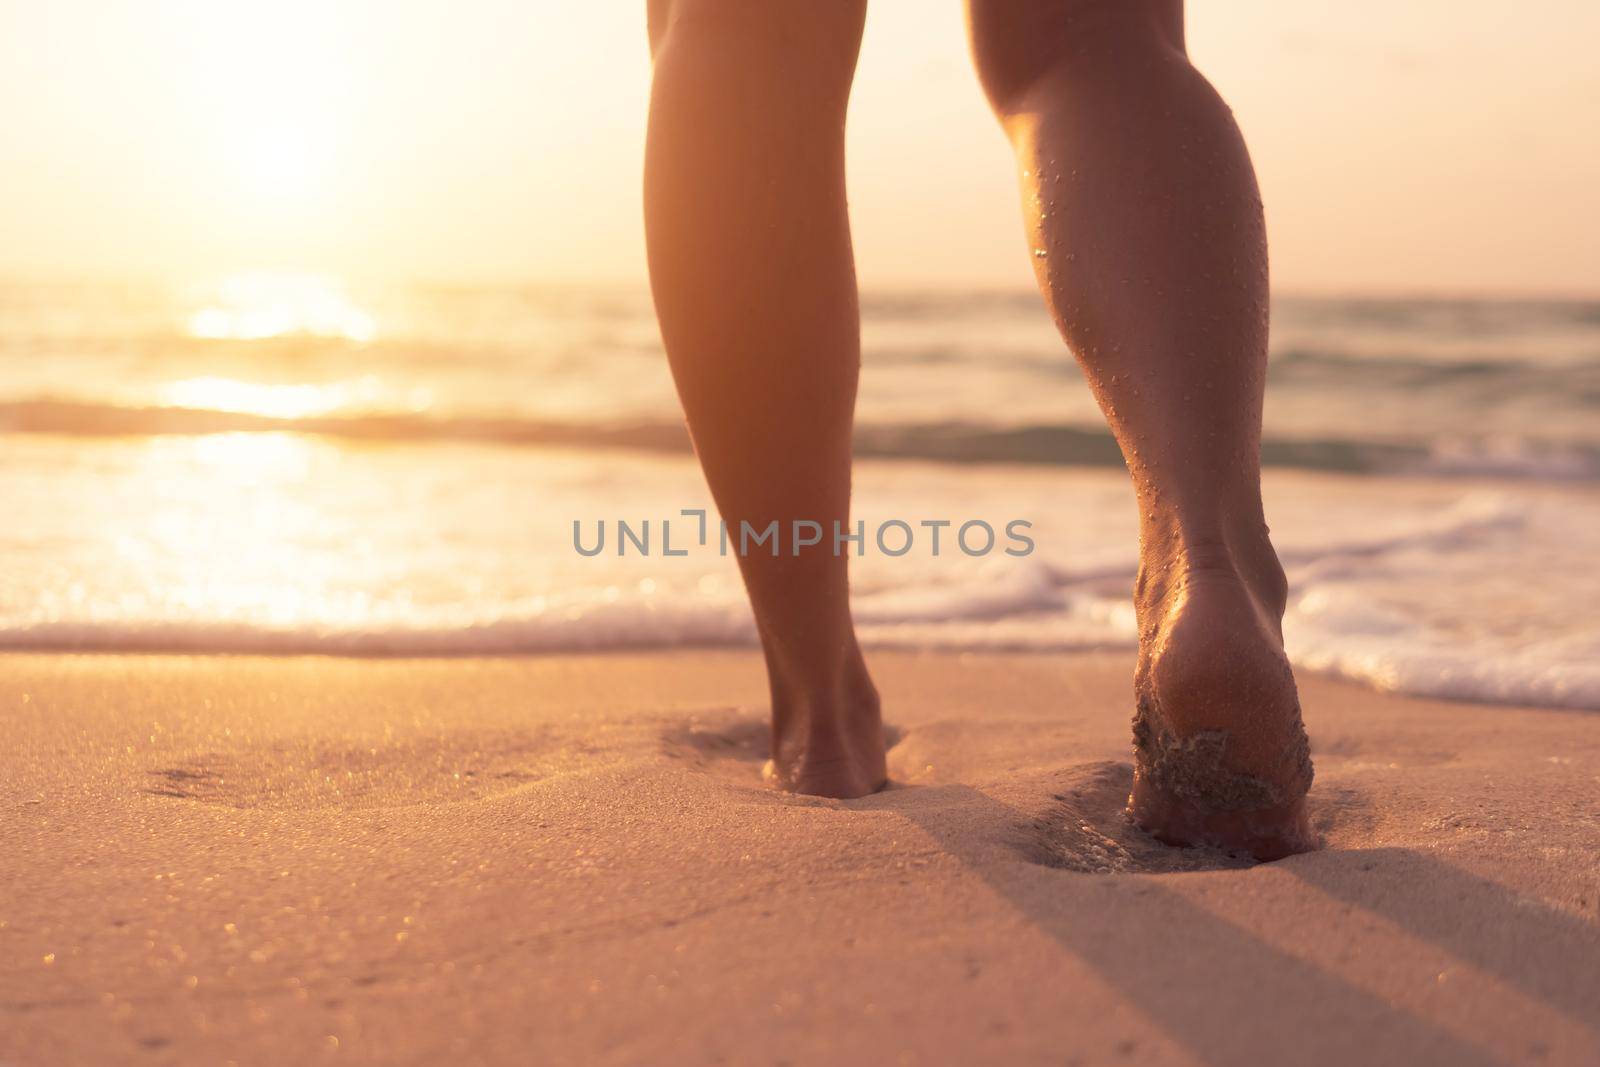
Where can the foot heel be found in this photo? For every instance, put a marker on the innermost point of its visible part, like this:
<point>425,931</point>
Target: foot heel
<point>1268,833</point>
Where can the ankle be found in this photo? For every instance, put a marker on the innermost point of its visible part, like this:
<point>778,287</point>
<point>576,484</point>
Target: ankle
<point>827,732</point>
<point>1177,558</point>
<point>1247,558</point>
<point>822,700</point>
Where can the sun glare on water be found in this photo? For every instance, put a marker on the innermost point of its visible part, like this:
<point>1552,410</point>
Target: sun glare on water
<point>266,306</point>
<point>261,305</point>
<point>297,401</point>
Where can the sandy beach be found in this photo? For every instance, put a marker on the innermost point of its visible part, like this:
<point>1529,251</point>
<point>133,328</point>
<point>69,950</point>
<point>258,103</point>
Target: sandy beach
<point>572,859</point>
<point>439,440</point>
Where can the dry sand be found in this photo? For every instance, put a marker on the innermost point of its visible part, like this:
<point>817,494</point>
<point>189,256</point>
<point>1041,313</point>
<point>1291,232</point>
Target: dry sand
<point>572,860</point>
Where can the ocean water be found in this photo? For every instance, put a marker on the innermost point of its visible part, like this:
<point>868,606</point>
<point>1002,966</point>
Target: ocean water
<point>285,464</point>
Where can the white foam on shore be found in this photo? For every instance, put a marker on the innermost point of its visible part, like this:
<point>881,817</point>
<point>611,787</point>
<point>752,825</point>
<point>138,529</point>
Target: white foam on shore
<point>1469,591</point>
<point>1334,625</point>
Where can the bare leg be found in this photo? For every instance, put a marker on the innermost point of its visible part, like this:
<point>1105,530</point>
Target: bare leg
<point>1148,241</point>
<point>754,283</point>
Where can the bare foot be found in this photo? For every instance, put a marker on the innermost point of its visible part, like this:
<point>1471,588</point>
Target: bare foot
<point>832,747</point>
<point>1222,757</point>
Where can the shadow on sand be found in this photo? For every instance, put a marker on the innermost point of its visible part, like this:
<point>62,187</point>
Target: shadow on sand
<point>1222,991</point>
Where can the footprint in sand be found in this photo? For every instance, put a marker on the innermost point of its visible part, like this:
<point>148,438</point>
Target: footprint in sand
<point>726,742</point>
<point>732,745</point>
<point>397,772</point>
<point>1085,830</point>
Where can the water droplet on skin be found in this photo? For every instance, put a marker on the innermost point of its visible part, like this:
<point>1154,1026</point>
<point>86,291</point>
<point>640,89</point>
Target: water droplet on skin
<point>1039,253</point>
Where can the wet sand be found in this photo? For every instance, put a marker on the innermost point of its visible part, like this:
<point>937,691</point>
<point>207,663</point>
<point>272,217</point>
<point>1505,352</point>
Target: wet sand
<point>572,859</point>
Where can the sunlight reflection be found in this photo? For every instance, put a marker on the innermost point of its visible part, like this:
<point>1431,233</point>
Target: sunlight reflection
<point>233,508</point>
<point>248,456</point>
<point>259,305</point>
<point>293,401</point>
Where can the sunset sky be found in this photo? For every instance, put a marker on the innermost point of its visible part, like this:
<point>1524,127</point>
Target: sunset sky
<point>1435,145</point>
